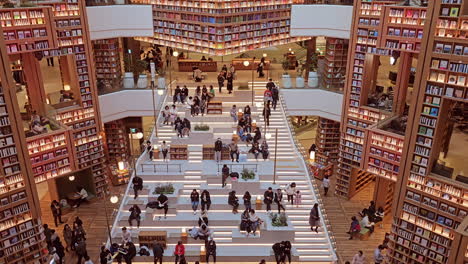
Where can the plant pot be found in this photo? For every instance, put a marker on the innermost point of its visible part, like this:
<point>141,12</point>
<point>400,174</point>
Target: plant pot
<point>313,80</point>
<point>300,83</point>
<point>128,82</point>
<point>161,82</point>
<point>142,81</point>
<point>286,80</point>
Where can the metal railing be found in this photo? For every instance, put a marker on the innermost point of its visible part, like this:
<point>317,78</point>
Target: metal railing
<point>243,166</point>
<point>300,150</point>
<point>161,167</point>
<point>141,159</point>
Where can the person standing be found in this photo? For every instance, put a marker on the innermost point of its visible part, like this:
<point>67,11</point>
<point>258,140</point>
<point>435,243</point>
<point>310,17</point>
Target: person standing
<point>56,212</point>
<point>224,175</point>
<point>81,249</point>
<point>359,258</point>
<point>135,213</point>
<point>234,151</point>
<point>211,250</point>
<point>290,191</point>
<point>220,81</point>
<point>268,198</point>
<point>297,198</point>
<point>179,252</point>
<point>325,185</point>
<point>233,201</point>
<point>158,253</point>
<point>233,113</point>
<point>275,96</point>
<point>59,249</point>
<point>278,250</point>
<point>164,149</point>
<point>287,247</point>
<point>247,111</point>
<point>218,148</point>
<point>260,67</point>
<point>247,200</point>
<point>278,199</point>
<point>314,218</point>
<point>205,200</point>
<point>264,150</point>
<point>67,236</point>
<point>149,149</point>
<point>378,256</point>
<point>266,114</point>
<point>195,200</point>
<point>230,80</point>
<point>137,185</point>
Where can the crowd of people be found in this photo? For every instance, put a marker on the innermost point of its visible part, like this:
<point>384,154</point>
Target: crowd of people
<point>370,216</point>
<point>75,240</point>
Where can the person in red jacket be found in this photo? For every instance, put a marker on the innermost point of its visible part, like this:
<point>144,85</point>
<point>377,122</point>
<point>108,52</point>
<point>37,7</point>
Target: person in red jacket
<point>179,252</point>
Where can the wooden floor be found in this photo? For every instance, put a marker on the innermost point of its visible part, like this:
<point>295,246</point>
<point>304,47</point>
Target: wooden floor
<point>339,213</point>
<point>94,223</point>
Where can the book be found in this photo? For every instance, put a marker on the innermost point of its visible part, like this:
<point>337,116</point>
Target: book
<point>448,48</point>
<point>458,50</point>
<point>445,11</point>
<point>454,11</point>
<point>443,64</point>
<point>461,80</point>
<point>439,47</point>
<point>441,77</point>
<point>449,91</point>
<point>435,64</point>
<point>452,79</point>
<point>458,93</point>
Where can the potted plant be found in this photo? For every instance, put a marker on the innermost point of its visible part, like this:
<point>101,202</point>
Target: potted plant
<point>129,80</point>
<point>279,220</point>
<point>286,79</point>
<point>161,78</point>
<point>201,128</point>
<point>164,189</point>
<point>313,66</point>
<point>139,70</point>
<point>247,174</point>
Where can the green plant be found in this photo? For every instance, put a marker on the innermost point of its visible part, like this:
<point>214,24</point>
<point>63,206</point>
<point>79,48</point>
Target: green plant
<point>139,67</point>
<point>285,65</point>
<point>8,5</point>
<point>279,219</point>
<point>247,174</point>
<point>202,127</point>
<point>164,189</point>
<point>313,66</point>
<point>28,4</point>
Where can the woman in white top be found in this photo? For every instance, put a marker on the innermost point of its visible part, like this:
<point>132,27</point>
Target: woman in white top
<point>164,149</point>
<point>359,258</point>
<point>325,185</point>
<point>254,221</point>
<point>173,114</point>
<point>290,191</point>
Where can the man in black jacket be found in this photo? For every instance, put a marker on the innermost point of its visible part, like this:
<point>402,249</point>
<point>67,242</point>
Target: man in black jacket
<point>218,148</point>
<point>158,252</point>
<point>233,201</point>
<point>135,212</point>
<point>205,200</point>
<point>211,250</point>
<point>224,175</point>
<point>137,185</point>
<point>278,249</point>
<point>162,204</point>
<point>268,198</point>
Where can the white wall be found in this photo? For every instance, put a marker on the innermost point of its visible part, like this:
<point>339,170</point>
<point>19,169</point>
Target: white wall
<point>120,21</point>
<point>313,102</point>
<point>321,20</point>
<point>127,103</point>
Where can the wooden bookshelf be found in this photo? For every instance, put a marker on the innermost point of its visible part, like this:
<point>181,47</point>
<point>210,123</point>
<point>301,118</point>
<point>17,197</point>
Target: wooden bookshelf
<point>178,152</point>
<point>118,145</point>
<point>214,107</point>
<point>51,154</point>
<point>336,54</point>
<point>118,177</point>
<point>209,152</point>
<point>220,28</point>
<point>204,66</point>
<point>149,238</point>
<point>107,58</point>
<point>327,141</point>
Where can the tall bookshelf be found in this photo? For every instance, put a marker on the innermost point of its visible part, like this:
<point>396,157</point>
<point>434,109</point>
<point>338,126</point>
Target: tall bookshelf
<point>334,72</point>
<point>432,208</point>
<point>327,141</point>
<point>21,232</point>
<point>118,145</point>
<point>107,59</point>
<point>221,27</point>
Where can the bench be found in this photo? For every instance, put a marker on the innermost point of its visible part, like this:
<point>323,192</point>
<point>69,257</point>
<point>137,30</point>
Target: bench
<point>364,234</point>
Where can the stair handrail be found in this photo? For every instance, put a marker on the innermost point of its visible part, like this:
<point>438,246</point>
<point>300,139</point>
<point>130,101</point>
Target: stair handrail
<point>138,161</point>
<point>300,150</point>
